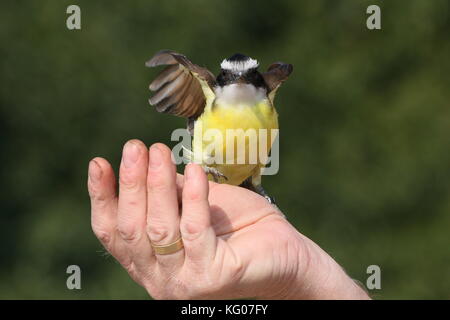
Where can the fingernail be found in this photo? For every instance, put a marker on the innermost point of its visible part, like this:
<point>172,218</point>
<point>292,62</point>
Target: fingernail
<point>155,157</point>
<point>95,171</point>
<point>130,154</point>
<point>189,171</point>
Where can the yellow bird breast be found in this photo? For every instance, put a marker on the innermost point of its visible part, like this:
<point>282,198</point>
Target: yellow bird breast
<point>228,135</point>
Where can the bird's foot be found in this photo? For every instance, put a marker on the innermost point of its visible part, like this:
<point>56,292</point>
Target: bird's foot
<point>259,189</point>
<point>216,174</point>
<point>248,184</point>
<point>270,199</point>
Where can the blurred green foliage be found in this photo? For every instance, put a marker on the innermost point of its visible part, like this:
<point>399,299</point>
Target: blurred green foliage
<point>365,129</point>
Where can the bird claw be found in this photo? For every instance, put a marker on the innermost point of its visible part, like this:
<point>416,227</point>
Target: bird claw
<point>216,174</point>
<point>270,199</point>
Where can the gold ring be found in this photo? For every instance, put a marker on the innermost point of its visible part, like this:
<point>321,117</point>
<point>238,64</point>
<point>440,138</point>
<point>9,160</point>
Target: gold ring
<point>168,248</point>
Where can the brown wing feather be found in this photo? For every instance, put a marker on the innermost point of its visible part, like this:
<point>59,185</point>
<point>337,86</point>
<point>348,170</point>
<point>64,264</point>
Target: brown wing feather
<point>177,87</point>
<point>276,74</point>
<point>167,75</point>
<point>172,103</point>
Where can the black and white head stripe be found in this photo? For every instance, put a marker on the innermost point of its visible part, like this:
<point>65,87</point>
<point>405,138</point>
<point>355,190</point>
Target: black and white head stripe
<point>239,63</point>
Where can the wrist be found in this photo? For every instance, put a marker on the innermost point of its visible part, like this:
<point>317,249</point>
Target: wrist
<point>322,278</point>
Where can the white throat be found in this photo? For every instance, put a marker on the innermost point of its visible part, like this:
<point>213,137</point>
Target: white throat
<point>239,94</point>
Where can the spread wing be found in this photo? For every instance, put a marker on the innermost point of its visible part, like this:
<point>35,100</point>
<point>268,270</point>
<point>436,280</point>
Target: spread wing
<point>275,75</point>
<point>182,87</point>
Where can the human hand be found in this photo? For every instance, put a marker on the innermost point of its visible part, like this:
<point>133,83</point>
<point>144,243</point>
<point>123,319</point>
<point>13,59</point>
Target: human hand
<point>236,244</point>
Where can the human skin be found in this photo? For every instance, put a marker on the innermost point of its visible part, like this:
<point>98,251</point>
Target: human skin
<point>236,244</point>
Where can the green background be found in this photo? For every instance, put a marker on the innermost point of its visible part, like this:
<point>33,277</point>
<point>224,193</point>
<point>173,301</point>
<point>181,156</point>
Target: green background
<point>364,118</point>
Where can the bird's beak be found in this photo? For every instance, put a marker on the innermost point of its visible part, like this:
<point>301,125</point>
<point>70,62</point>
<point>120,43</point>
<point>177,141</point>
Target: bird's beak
<point>241,78</point>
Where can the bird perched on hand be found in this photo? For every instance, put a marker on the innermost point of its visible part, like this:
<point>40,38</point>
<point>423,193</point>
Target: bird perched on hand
<point>239,98</point>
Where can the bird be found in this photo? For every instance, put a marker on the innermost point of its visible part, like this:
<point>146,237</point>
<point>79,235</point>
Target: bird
<point>239,98</point>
